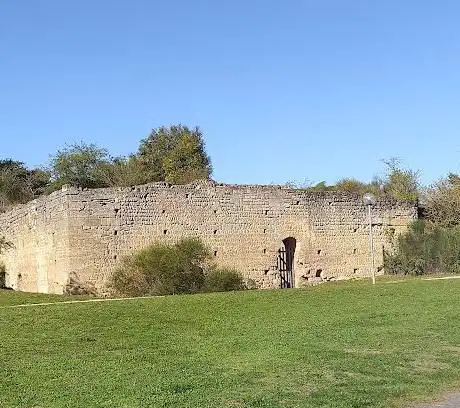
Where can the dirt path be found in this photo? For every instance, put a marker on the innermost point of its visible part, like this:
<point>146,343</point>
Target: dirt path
<point>450,400</point>
<point>67,302</point>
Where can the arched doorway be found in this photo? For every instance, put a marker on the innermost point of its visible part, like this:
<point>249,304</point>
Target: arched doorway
<point>286,263</point>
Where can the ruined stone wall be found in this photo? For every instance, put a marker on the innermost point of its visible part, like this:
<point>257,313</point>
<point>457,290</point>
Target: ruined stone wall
<point>86,233</point>
<point>38,261</point>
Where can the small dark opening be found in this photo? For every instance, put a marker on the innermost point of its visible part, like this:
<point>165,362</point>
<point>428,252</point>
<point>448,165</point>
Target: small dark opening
<point>187,195</point>
<point>266,212</point>
<point>115,232</point>
<point>215,211</point>
<point>215,253</point>
<point>318,251</point>
<point>215,232</point>
<point>165,232</point>
<point>265,250</point>
<point>355,229</point>
<point>2,278</point>
<point>355,251</point>
<point>265,231</point>
<point>163,211</point>
<point>318,273</point>
<point>116,210</point>
<point>355,271</point>
<point>114,257</point>
<point>286,262</point>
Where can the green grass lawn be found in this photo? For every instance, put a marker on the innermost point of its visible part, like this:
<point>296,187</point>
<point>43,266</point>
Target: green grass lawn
<point>335,345</point>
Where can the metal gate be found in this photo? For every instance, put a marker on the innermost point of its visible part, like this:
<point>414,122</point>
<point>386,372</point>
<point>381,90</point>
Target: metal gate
<point>285,261</point>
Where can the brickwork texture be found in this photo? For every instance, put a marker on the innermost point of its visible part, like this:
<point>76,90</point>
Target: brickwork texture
<point>84,234</point>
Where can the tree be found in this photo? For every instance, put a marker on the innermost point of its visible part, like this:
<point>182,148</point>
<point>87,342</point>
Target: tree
<point>14,183</point>
<point>441,201</point>
<point>400,183</point>
<point>81,165</point>
<point>175,154</point>
<point>39,181</point>
<point>127,171</point>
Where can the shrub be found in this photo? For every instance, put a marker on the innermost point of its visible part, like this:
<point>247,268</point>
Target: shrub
<point>441,201</point>
<point>425,249</point>
<point>222,280</point>
<point>162,269</point>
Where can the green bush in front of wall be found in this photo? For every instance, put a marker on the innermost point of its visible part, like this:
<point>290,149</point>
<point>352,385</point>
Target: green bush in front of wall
<point>162,269</point>
<point>425,249</point>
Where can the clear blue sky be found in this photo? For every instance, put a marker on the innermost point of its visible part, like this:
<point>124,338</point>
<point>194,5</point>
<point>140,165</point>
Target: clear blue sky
<point>283,89</point>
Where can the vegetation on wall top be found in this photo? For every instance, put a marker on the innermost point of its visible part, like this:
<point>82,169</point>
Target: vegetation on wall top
<point>175,154</point>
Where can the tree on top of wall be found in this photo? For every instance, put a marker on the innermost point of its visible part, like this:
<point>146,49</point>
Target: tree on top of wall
<point>175,154</point>
<point>400,183</point>
<point>19,184</point>
<point>81,165</point>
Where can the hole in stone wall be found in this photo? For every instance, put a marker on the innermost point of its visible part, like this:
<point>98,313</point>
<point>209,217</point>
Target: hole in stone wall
<point>265,251</point>
<point>215,211</point>
<point>165,232</point>
<point>265,230</point>
<point>355,271</point>
<point>266,271</point>
<point>215,253</point>
<point>297,202</point>
<point>116,210</point>
<point>318,273</point>
<point>187,195</point>
<point>2,277</point>
<point>318,251</point>
<point>163,211</point>
<point>115,232</point>
<point>215,232</point>
<point>355,251</point>
<point>266,212</point>
<point>114,257</point>
<point>355,229</point>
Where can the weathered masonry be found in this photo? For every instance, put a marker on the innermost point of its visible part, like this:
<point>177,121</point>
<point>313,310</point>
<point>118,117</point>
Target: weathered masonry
<point>276,236</point>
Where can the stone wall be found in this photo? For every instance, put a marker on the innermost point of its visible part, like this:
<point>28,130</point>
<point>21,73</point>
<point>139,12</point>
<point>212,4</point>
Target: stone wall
<point>38,261</point>
<point>83,235</point>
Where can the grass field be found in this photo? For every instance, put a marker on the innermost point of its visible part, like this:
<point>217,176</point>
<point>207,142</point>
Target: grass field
<point>335,345</point>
